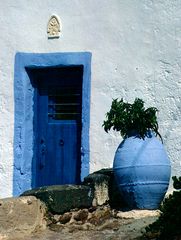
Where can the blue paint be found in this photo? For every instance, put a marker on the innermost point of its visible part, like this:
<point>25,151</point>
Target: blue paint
<point>59,133</point>
<point>142,170</point>
<point>25,97</point>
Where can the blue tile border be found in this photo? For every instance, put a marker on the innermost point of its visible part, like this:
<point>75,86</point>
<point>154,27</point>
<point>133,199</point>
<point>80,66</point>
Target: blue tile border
<point>24,115</point>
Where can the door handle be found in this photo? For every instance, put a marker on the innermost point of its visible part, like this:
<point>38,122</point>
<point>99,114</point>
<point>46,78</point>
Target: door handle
<point>42,147</point>
<point>61,142</point>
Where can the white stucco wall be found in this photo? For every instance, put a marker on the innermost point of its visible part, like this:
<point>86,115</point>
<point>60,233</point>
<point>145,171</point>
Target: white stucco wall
<point>136,49</point>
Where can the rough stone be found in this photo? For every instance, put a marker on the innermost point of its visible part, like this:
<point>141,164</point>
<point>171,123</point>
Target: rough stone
<point>22,215</point>
<point>112,229</point>
<point>99,216</point>
<point>92,209</point>
<point>112,224</point>
<point>105,225</point>
<point>105,188</point>
<point>62,198</point>
<point>81,215</point>
<point>65,218</point>
<point>137,214</point>
<point>56,218</point>
<point>99,183</point>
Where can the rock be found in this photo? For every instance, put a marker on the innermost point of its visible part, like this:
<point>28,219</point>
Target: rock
<point>87,226</point>
<point>105,188</point>
<point>99,216</point>
<point>92,209</point>
<point>137,214</point>
<point>65,218</point>
<point>83,227</point>
<point>81,215</point>
<point>21,216</point>
<point>99,183</point>
<point>111,224</point>
<point>115,199</point>
<point>61,198</point>
<point>56,218</point>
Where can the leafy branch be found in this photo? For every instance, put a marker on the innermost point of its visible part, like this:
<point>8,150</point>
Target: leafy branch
<point>125,118</point>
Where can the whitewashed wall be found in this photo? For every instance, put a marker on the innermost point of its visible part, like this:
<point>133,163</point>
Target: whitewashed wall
<point>136,52</point>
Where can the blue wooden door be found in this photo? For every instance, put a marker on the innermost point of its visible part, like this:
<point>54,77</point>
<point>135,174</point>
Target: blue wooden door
<point>59,130</point>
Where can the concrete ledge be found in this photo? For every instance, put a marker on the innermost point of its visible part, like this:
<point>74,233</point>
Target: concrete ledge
<point>62,198</point>
<point>22,215</point>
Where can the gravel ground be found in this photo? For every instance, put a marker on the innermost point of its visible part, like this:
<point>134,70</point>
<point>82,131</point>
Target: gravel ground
<point>112,229</point>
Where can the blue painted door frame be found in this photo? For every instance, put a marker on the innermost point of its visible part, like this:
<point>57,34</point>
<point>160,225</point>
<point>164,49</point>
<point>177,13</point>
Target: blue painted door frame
<point>25,107</point>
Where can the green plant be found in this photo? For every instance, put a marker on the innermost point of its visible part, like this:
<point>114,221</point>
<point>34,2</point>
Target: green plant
<point>168,224</point>
<point>125,117</point>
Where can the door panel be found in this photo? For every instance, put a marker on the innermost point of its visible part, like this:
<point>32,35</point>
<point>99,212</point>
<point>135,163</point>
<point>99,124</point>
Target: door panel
<point>59,118</point>
<point>60,157</point>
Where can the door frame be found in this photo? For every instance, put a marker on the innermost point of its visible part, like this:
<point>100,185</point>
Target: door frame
<point>25,104</point>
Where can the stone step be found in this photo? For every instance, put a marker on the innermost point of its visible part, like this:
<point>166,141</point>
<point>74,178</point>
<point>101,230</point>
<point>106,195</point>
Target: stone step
<point>62,198</point>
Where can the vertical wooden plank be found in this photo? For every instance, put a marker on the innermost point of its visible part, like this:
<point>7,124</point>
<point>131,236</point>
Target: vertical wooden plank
<point>54,160</point>
<point>69,134</point>
<point>42,138</point>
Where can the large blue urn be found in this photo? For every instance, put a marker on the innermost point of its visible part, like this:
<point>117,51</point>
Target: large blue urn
<point>142,170</point>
